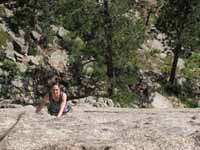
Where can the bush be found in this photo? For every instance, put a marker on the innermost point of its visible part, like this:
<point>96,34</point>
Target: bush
<point>4,91</point>
<point>189,102</point>
<point>192,66</point>
<point>124,97</point>
<point>3,37</point>
<point>2,11</point>
<point>10,66</point>
<point>33,50</point>
<point>166,66</point>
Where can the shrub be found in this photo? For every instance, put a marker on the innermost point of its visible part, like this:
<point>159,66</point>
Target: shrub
<point>10,66</point>
<point>33,50</point>
<point>192,66</point>
<point>189,102</point>
<point>124,97</point>
<point>166,66</point>
<point>3,37</point>
<point>2,11</point>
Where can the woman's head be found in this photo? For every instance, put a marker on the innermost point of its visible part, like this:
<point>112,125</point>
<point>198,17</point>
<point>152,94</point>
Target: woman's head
<point>55,90</point>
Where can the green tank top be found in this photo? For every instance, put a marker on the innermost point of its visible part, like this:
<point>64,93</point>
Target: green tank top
<point>54,106</point>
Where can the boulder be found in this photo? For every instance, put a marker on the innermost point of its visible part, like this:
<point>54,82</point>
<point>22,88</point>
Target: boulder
<point>35,60</point>
<point>36,36</point>
<point>10,54</point>
<point>8,13</point>
<point>160,101</point>
<point>58,60</point>
<point>181,64</point>
<point>20,45</point>
<point>21,67</point>
<point>63,33</point>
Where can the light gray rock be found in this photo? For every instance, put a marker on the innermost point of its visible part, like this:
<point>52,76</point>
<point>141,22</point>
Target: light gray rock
<point>101,100</point>
<point>58,60</point>
<point>22,67</point>
<point>36,36</point>
<point>54,28</point>
<point>21,32</point>
<point>88,69</point>
<point>19,44</point>
<point>89,128</point>
<point>8,13</point>
<point>9,46</point>
<point>10,54</point>
<point>17,83</point>
<point>110,103</point>
<point>181,81</point>
<point>19,57</point>
<point>159,101</point>
<point>62,32</point>
<point>35,60</point>
<point>181,64</point>
<point>91,100</point>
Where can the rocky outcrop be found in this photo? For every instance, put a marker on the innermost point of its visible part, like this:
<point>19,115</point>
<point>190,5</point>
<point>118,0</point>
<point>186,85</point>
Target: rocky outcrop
<point>89,128</point>
<point>160,101</point>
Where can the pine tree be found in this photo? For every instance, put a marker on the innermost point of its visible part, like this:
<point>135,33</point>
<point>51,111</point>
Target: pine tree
<point>111,33</point>
<point>179,20</point>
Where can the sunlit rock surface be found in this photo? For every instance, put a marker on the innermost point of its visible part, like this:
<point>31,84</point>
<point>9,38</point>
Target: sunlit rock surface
<point>89,128</point>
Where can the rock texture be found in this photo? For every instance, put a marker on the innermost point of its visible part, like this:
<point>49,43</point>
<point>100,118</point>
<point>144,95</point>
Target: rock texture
<point>89,128</point>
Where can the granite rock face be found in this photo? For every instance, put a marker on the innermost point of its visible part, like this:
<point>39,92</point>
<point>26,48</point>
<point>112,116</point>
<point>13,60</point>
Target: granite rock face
<point>89,128</point>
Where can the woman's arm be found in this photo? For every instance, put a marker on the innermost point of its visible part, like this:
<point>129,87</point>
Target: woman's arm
<point>62,105</point>
<point>42,103</point>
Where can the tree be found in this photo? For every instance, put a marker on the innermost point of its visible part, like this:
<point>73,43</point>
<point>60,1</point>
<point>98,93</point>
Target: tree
<point>33,15</point>
<point>178,19</point>
<point>111,33</point>
<point>108,45</point>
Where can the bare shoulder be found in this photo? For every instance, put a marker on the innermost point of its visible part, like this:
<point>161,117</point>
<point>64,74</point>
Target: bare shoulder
<point>64,96</point>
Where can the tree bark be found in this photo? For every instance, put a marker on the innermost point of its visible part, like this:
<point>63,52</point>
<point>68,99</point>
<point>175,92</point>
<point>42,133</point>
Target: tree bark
<point>175,62</point>
<point>108,47</point>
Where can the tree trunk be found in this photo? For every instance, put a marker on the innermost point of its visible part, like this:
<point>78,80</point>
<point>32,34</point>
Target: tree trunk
<point>108,47</point>
<point>149,12</point>
<point>175,62</point>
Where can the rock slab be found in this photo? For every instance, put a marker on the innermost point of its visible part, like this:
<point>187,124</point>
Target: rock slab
<point>88,128</point>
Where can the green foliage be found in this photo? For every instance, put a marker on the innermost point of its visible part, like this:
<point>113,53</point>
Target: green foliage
<point>9,66</point>
<point>68,39</point>
<point>178,20</point>
<point>78,44</point>
<point>2,11</point>
<point>33,51</point>
<point>124,97</point>
<point>48,35</point>
<point>191,32</point>
<point>189,102</point>
<point>4,36</point>
<point>166,65</point>
<point>99,72</point>
<point>86,23</point>
<point>153,52</point>
<point>192,66</point>
<point>86,19</point>
<point>4,91</point>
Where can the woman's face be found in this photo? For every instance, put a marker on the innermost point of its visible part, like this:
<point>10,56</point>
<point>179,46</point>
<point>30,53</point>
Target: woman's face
<point>55,91</point>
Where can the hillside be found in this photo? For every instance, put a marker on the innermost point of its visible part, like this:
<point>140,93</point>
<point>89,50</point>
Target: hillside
<point>130,69</point>
<point>121,51</point>
<point>89,128</point>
